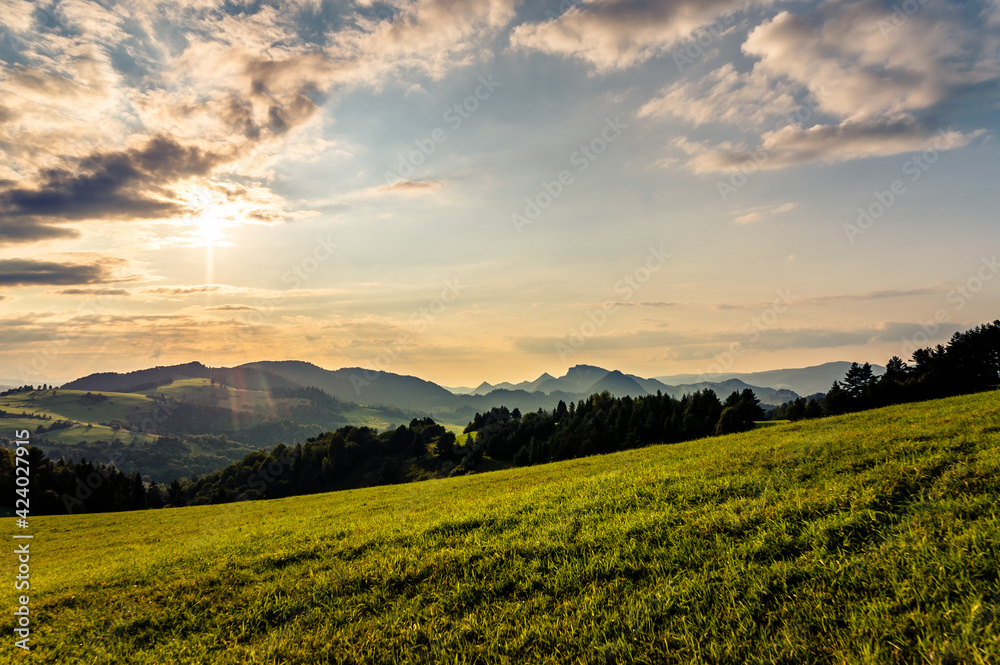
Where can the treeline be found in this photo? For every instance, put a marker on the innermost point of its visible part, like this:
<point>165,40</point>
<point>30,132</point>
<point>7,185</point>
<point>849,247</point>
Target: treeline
<point>25,389</point>
<point>167,416</point>
<point>162,459</point>
<point>64,487</point>
<point>25,415</point>
<point>348,457</point>
<point>604,424</point>
<point>969,363</point>
<point>360,456</point>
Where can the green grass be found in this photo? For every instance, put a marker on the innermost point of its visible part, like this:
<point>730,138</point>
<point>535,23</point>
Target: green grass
<point>66,405</point>
<point>869,538</point>
<point>361,416</point>
<point>81,432</point>
<point>203,391</point>
<point>181,387</point>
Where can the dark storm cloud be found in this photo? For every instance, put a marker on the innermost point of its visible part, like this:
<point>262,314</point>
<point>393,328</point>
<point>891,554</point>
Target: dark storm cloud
<point>25,272</point>
<point>105,185</point>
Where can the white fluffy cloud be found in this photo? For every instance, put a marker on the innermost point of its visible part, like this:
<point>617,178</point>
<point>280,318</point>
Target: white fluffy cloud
<point>860,61</point>
<point>617,34</point>
<point>876,71</point>
<point>792,146</point>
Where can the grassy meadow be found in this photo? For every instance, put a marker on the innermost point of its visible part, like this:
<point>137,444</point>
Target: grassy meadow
<point>867,538</point>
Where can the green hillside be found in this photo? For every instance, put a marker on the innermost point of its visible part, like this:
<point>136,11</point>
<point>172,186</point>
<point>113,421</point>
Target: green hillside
<point>127,427</point>
<point>867,538</point>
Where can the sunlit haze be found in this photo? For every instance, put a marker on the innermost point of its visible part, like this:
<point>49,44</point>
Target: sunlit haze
<point>489,190</point>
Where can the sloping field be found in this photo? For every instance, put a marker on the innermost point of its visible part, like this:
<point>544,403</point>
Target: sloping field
<point>869,538</point>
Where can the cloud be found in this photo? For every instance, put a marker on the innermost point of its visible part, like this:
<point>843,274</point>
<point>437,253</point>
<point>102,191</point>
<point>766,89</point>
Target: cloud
<point>221,95</point>
<point>27,272</point>
<point>656,304</point>
<point>761,214</point>
<point>230,308</point>
<point>723,96</point>
<point>412,187</point>
<point>706,345</point>
<point>126,184</point>
<point>639,339</point>
<point>177,292</point>
<point>431,36</point>
<point>882,78</point>
<point>31,230</point>
<point>859,64</point>
<point>617,34</point>
<point>267,296</point>
<point>94,292</point>
<point>829,144</point>
<point>871,295</point>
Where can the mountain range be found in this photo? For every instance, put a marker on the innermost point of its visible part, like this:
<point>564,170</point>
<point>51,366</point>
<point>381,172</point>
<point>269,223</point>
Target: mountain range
<point>418,396</point>
<point>804,380</point>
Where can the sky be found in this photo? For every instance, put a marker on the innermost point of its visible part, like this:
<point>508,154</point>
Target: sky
<point>489,189</point>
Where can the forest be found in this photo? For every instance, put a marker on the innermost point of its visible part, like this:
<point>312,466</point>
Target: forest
<point>355,456</point>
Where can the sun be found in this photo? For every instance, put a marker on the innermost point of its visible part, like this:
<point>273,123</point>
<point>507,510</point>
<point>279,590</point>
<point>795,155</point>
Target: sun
<point>210,231</point>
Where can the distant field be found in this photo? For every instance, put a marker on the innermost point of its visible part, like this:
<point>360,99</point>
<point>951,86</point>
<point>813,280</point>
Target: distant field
<point>201,391</point>
<point>364,417</point>
<point>78,433</point>
<point>868,538</point>
<point>66,405</point>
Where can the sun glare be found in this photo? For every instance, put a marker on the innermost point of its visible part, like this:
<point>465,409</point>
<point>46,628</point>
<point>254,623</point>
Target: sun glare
<point>210,231</point>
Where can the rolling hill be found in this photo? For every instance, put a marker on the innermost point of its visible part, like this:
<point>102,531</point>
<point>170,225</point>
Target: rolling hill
<point>414,395</point>
<point>187,426</point>
<point>354,384</point>
<point>803,380</point>
<point>867,538</point>
<point>768,396</point>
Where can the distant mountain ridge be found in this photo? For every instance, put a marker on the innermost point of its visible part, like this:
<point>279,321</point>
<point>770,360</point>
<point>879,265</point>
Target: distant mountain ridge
<point>415,395</point>
<point>802,380</point>
<point>142,380</point>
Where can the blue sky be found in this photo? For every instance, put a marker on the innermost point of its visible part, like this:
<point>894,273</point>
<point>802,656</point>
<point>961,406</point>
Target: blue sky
<point>487,190</point>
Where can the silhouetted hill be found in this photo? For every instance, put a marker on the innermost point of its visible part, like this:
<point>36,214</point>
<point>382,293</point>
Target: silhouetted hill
<point>415,395</point>
<point>649,385</point>
<point>803,380</point>
<point>618,385</point>
<point>145,380</point>
<point>140,380</point>
<point>578,379</point>
<point>723,389</point>
<point>362,386</point>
